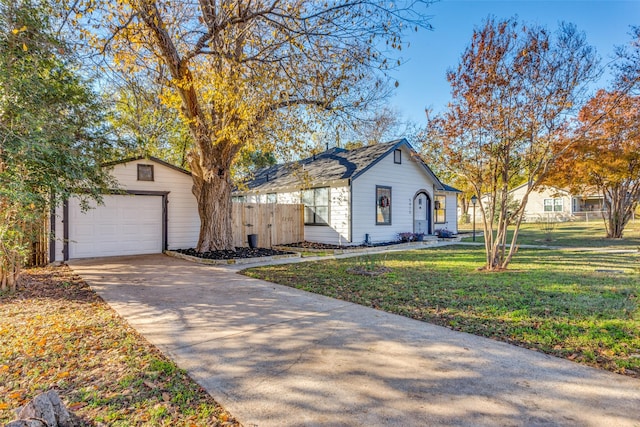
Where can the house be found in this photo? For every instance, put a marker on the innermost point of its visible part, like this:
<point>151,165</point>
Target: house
<point>553,203</point>
<point>368,194</point>
<point>154,211</point>
<point>558,204</point>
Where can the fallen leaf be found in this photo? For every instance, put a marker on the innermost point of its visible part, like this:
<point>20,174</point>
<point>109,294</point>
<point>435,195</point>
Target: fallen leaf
<point>166,397</point>
<point>15,395</point>
<point>151,385</point>
<point>77,405</point>
<point>3,406</point>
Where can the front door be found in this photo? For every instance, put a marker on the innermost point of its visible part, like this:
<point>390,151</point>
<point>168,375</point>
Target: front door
<point>421,211</point>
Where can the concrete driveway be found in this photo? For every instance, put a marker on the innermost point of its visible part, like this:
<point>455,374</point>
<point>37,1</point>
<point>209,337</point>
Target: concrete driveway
<point>276,356</point>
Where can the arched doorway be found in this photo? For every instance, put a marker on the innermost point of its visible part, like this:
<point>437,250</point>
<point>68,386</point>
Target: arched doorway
<point>422,213</point>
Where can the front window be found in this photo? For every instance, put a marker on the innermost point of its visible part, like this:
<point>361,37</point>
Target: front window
<point>383,205</point>
<point>557,205</point>
<point>238,199</point>
<point>439,209</point>
<point>553,205</point>
<point>272,198</point>
<point>316,206</point>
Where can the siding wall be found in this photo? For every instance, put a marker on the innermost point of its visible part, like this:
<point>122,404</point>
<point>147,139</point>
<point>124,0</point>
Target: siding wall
<point>183,222</point>
<point>535,203</point>
<point>405,180</point>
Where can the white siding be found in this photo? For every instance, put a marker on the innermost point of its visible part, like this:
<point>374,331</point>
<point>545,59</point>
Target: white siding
<point>183,223</point>
<point>406,180</point>
<point>337,233</point>
<point>534,210</point>
<point>452,212</point>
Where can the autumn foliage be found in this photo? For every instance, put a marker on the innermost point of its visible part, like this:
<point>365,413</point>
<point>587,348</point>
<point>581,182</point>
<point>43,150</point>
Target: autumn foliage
<point>250,75</point>
<point>511,93</point>
<point>604,156</point>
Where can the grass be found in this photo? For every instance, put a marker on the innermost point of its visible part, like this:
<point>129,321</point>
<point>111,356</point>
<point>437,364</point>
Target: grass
<point>58,334</point>
<point>569,234</point>
<point>550,301</point>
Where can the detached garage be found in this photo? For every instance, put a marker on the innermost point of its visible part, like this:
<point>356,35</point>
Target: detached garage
<point>152,211</point>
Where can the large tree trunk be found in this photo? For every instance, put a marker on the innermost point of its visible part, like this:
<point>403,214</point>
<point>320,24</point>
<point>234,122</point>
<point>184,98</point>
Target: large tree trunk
<point>214,208</point>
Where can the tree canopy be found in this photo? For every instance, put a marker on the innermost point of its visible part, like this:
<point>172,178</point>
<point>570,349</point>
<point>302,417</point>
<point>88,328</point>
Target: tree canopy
<point>604,156</point>
<point>50,137</point>
<point>511,93</point>
<point>254,75</point>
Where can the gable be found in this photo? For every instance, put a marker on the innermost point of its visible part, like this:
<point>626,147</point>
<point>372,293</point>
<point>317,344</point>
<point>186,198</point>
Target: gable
<point>164,175</point>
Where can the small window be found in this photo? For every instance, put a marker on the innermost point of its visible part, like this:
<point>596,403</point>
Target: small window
<point>397,156</point>
<point>316,206</point>
<point>557,205</point>
<point>383,205</point>
<point>238,199</point>
<point>272,198</point>
<point>439,209</point>
<point>553,205</point>
<point>145,172</point>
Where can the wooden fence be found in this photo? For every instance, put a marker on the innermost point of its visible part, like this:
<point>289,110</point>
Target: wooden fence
<point>38,234</point>
<point>275,224</point>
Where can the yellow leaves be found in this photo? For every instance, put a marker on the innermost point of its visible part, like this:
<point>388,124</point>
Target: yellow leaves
<point>4,368</point>
<point>19,30</point>
<point>24,47</point>
<point>63,374</point>
<point>16,395</point>
<point>4,406</point>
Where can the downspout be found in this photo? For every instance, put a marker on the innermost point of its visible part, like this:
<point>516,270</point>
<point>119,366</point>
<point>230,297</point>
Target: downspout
<point>350,211</point>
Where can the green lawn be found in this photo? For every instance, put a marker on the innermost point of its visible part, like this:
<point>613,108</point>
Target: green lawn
<point>568,234</point>
<point>552,301</point>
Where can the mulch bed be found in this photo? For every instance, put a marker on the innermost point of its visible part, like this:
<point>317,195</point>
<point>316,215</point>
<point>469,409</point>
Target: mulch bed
<point>325,246</point>
<point>239,253</point>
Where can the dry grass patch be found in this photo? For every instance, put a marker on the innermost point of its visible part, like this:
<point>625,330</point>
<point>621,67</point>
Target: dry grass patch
<point>58,334</point>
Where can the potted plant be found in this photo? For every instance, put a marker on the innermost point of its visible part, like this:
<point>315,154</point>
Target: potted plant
<point>405,237</point>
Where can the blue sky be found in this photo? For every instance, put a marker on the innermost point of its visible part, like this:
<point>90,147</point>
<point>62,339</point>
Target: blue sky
<point>423,76</point>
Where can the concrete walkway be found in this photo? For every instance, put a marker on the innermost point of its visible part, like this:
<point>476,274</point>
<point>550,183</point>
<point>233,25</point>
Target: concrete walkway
<point>276,356</point>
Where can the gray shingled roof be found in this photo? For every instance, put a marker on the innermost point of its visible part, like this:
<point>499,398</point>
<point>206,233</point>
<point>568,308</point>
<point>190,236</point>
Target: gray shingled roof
<point>330,165</point>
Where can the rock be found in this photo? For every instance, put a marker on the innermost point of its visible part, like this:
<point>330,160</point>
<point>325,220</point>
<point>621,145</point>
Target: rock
<point>62,415</point>
<point>45,410</point>
<point>26,423</point>
<point>39,408</point>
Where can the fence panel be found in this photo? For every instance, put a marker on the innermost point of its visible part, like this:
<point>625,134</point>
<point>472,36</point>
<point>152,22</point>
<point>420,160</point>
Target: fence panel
<point>275,224</point>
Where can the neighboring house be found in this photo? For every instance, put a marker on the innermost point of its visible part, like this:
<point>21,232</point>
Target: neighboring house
<point>155,211</point>
<point>353,196</point>
<point>552,203</point>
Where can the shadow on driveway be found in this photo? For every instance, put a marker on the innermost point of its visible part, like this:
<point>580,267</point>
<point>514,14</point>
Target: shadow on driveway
<point>277,356</point>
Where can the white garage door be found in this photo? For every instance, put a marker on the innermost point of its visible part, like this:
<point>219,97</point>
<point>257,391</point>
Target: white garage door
<point>124,225</point>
